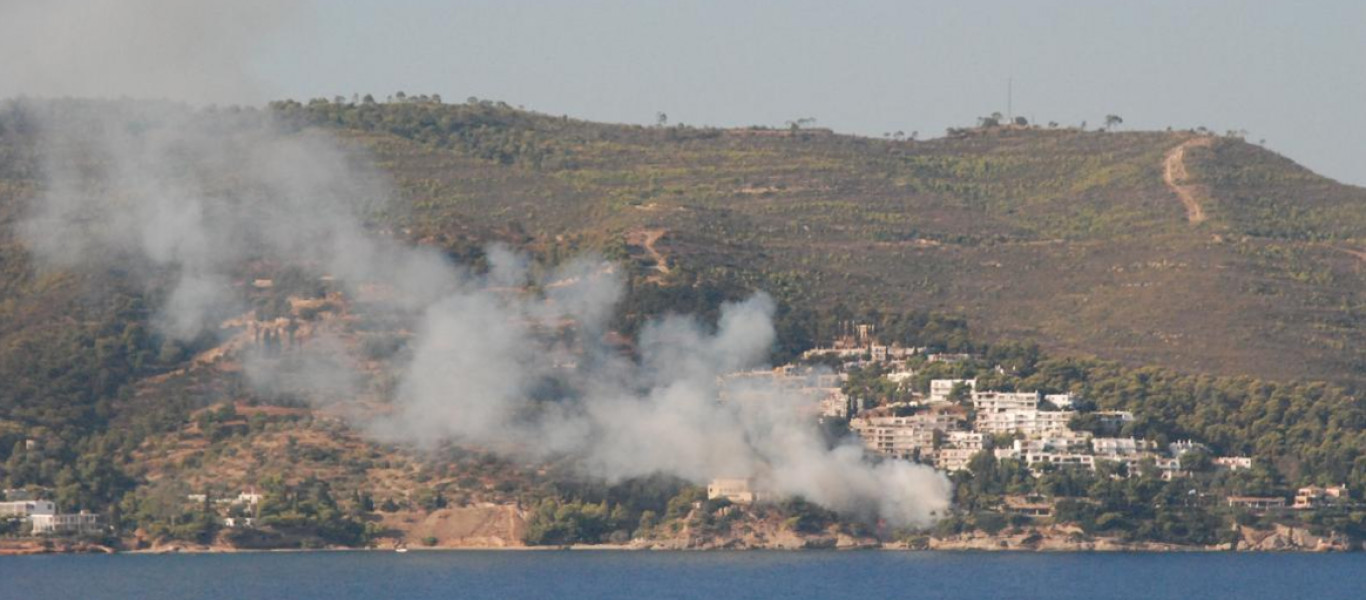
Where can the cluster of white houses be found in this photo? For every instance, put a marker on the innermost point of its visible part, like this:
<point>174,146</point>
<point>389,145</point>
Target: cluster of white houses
<point>941,433</point>
<point>43,518</point>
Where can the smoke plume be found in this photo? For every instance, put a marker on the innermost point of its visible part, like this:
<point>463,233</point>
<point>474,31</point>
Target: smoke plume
<point>171,193</point>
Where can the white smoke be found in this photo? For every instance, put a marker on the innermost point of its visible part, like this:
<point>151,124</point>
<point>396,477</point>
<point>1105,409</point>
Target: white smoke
<point>509,359</point>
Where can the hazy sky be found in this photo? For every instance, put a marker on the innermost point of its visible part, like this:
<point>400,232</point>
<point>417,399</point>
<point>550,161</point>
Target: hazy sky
<point>1292,73</point>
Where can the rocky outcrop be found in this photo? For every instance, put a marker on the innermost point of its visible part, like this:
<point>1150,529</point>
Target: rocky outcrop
<point>1282,538</point>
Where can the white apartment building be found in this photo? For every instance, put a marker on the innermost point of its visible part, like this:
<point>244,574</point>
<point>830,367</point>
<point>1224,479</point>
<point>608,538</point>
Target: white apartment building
<point>1121,447</point>
<point>999,402</point>
<point>967,440</point>
<point>1064,441</point>
<point>941,388</point>
<point>903,437</point>
<point>958,449</point>
<point>954,459</point>
<point>1027,422</point>
<point>1036,459</point>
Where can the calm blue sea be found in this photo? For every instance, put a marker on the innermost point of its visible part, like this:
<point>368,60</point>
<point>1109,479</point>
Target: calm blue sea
<point>572,575</point>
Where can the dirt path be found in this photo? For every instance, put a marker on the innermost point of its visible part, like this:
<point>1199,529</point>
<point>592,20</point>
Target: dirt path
<point>646,239</point>
<point>1175,175</point>
<point>1361,254</point>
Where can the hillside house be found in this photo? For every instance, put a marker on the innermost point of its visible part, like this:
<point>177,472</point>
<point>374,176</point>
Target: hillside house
<point>940,389</point>
<point>1061,401</point>
<point>1183,446</point>
<point>1316,497</point>
<point>1033,506</point>
<point>24,509</point>
<point>1113,420</point>
<point>1169,467</point>
<point>1233,463</point>
<point>1257,503</point>
<point>738,491</point>
<point>75,523</point>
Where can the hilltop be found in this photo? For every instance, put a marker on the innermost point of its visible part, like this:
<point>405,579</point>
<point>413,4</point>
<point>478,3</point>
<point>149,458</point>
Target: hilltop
<point>1199,253</point>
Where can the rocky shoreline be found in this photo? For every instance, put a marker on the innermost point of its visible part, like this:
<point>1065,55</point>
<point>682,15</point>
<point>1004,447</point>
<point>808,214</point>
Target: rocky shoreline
<point>1053,538</point>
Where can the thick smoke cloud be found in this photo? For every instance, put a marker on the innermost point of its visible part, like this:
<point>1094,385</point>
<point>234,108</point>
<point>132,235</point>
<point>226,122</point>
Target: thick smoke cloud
<point>507,359</point>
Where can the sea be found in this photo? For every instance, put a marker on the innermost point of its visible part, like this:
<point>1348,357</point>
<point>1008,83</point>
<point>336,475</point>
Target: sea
<point>597,575</point>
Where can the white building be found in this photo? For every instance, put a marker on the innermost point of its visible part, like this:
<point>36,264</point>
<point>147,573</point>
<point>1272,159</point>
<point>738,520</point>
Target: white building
<point>999,402</point>
<point>24,509</point>
<point>834,403</point>
<point>17,494</point>
<point>903,437</point>
<point>940,389</point>
<point>1120,447</point>
<point>1027,422</point>
<point>249,498</point>
<point>968,440</point>
<point>900,377</point>
<point>1170,468</point>
<point>235,522</point>
<point>738,491</point>
<point>1064,441</point>
<point>1316,497</point>
<point>82,522</point>
<point>1060,400</point>
<point>1233,463</point>
<point>1113,419</point>
<point>1184,446</point>
<point>1037,459</point>
<point>954,459</point>
<point>958,449</point>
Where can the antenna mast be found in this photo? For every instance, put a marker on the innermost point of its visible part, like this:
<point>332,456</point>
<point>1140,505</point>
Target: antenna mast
<point>1010,85</point>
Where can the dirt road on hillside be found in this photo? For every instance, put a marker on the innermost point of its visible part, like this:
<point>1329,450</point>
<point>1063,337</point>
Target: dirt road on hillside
<point>1174,173</point>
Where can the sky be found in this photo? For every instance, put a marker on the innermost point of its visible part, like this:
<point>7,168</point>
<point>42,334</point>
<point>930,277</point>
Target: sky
<point>1290,73</point>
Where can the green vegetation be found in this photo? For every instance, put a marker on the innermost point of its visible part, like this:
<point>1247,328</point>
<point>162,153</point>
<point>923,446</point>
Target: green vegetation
<point>1139,508</point>
<point>1060,237</point>
<point>1063,248</point>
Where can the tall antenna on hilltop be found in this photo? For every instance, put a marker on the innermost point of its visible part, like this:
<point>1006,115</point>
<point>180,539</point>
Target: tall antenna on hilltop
<point>1010,85</point>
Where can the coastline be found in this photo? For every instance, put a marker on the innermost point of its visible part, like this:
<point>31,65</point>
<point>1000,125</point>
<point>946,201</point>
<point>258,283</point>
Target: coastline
<point>1047,540</point>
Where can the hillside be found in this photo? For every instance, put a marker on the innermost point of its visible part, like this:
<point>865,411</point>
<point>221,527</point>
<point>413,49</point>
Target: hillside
<point>1084,242</point>
<point>1168,253</point>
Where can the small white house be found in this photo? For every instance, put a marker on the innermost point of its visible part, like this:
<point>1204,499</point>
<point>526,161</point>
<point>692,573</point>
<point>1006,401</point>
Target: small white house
<point>24,509</point>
